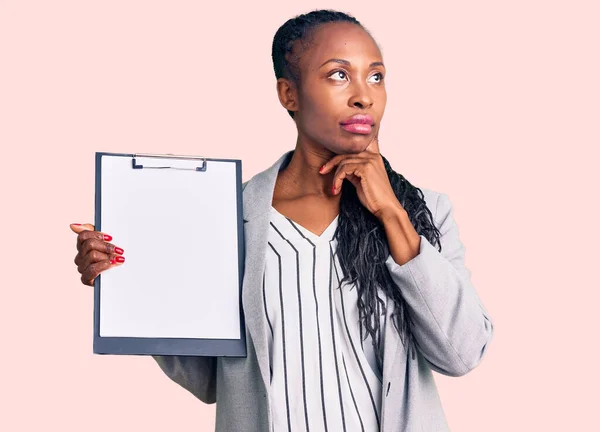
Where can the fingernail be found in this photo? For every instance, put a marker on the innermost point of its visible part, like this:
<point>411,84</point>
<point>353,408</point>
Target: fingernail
<point>120,259</point>
<point>76,224</point>
<point>321,170</point>
<point>107,237</point>
<point>112,261</point>
<point>333,189</point>
<point>119,250</point>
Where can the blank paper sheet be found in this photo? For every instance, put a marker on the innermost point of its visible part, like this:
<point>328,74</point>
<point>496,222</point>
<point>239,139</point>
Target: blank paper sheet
<point>179,232</point>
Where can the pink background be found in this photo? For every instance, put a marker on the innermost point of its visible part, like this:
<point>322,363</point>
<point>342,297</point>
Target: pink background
<point>497,105</point>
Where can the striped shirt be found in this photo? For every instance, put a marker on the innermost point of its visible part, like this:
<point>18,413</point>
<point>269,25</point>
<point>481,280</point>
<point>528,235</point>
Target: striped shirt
<point>323,378</point>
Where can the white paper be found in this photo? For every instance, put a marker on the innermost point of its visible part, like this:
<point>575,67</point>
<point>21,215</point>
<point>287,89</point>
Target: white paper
<point>178,229</point>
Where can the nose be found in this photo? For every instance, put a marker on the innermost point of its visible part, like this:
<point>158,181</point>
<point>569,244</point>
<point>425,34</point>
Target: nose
<point>361,98</point>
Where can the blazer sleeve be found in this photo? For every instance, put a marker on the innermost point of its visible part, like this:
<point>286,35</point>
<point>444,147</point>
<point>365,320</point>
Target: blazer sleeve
<point>196,374</point>
<point>451,328</point>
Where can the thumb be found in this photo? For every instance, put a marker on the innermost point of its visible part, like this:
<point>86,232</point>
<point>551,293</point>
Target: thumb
<point>373,145</point>
<point>81,227</point>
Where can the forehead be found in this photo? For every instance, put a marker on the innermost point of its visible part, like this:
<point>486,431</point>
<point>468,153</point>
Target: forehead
<point>340,40</point>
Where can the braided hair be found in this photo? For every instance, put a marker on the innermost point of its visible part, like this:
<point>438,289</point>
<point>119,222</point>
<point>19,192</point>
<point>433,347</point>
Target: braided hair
<point>362,246</point>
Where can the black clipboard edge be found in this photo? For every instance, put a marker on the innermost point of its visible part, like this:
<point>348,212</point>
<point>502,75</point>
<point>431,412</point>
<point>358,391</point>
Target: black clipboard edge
<point>170,346</point>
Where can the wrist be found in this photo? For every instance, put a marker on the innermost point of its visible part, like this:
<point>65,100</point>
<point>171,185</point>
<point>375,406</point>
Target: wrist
<point>393,214</point>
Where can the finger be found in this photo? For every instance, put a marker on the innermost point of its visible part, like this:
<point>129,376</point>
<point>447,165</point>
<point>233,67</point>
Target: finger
<point>351,168</point>
<point>85,235</point>
<point>331,163</point>
<point>95,256</point>
<point>336,160</point>
<point>354,180</point>
<point>99,245</point>
<point>341,167</point>
<point>373,146</point>
<point>348,160</point>
<point>89,282</point>
<point>89,274</point>
<point>81,227</point>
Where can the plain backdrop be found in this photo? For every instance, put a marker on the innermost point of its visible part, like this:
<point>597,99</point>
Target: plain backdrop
<point>496,104</point>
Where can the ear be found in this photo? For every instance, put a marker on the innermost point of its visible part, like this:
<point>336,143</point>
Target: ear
<point>288,94</point>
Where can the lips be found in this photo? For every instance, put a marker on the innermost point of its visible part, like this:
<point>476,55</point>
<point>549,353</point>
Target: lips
<point>359,124</point>
<point>357,128</point>
<point>359,119</point>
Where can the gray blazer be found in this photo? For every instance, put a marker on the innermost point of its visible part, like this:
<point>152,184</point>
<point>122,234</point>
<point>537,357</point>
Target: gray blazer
<point>451,327</point>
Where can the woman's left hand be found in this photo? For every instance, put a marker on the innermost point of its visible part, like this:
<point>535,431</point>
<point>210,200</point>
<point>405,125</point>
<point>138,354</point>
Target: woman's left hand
<point>366,171</point>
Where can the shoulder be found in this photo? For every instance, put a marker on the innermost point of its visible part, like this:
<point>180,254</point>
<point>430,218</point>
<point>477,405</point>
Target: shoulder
<point>431,198</point>
<point>439,205</point>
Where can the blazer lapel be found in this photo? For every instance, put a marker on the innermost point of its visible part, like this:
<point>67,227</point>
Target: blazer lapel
<point>257,200</point>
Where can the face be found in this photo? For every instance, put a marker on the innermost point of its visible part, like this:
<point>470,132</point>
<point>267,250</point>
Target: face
<point>341,76</point>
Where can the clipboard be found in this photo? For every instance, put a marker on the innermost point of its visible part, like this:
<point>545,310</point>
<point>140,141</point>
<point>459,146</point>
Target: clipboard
<point>179,220</point>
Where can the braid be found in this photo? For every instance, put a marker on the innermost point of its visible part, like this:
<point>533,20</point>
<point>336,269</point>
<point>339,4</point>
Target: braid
<point>363,249</point>
<point>362,243</point>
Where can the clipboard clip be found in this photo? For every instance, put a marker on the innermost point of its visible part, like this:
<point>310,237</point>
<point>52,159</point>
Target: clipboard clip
<point>169,156</point>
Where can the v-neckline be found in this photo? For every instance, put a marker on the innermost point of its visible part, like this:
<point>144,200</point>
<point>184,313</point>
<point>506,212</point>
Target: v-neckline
<point>327,234</point>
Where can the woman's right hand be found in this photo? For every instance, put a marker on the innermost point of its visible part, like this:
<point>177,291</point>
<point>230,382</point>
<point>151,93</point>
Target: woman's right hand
<point>94,253</point>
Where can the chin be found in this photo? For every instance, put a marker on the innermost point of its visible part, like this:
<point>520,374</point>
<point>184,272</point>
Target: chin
<point>357,143</point>
<point>348,143</point>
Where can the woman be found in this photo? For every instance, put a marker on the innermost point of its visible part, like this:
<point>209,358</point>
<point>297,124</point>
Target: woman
<point>354,291</point>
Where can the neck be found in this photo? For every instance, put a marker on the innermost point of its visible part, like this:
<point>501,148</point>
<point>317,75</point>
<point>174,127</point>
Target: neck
<point>301,176</point>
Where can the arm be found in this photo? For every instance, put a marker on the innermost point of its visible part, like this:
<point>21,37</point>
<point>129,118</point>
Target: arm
<point>451,327</point>
<point>196,374</point>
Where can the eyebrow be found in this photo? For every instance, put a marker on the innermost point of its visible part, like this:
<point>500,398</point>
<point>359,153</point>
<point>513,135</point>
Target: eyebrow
<point>347,63</point>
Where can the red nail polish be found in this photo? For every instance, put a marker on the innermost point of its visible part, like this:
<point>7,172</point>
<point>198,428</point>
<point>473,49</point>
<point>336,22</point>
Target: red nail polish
<point>321,169</point>
<point>107,237</point>
<point>119,250</point>
<point>112,261</point>
<point>76,224</point>
<point>120,259</point>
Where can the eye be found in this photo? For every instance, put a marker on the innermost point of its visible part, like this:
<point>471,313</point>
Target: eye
<point>339,73</point>
<point>380,77</point>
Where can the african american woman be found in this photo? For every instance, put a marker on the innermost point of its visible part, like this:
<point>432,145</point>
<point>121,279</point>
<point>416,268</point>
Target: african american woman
<point>354,291</point>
